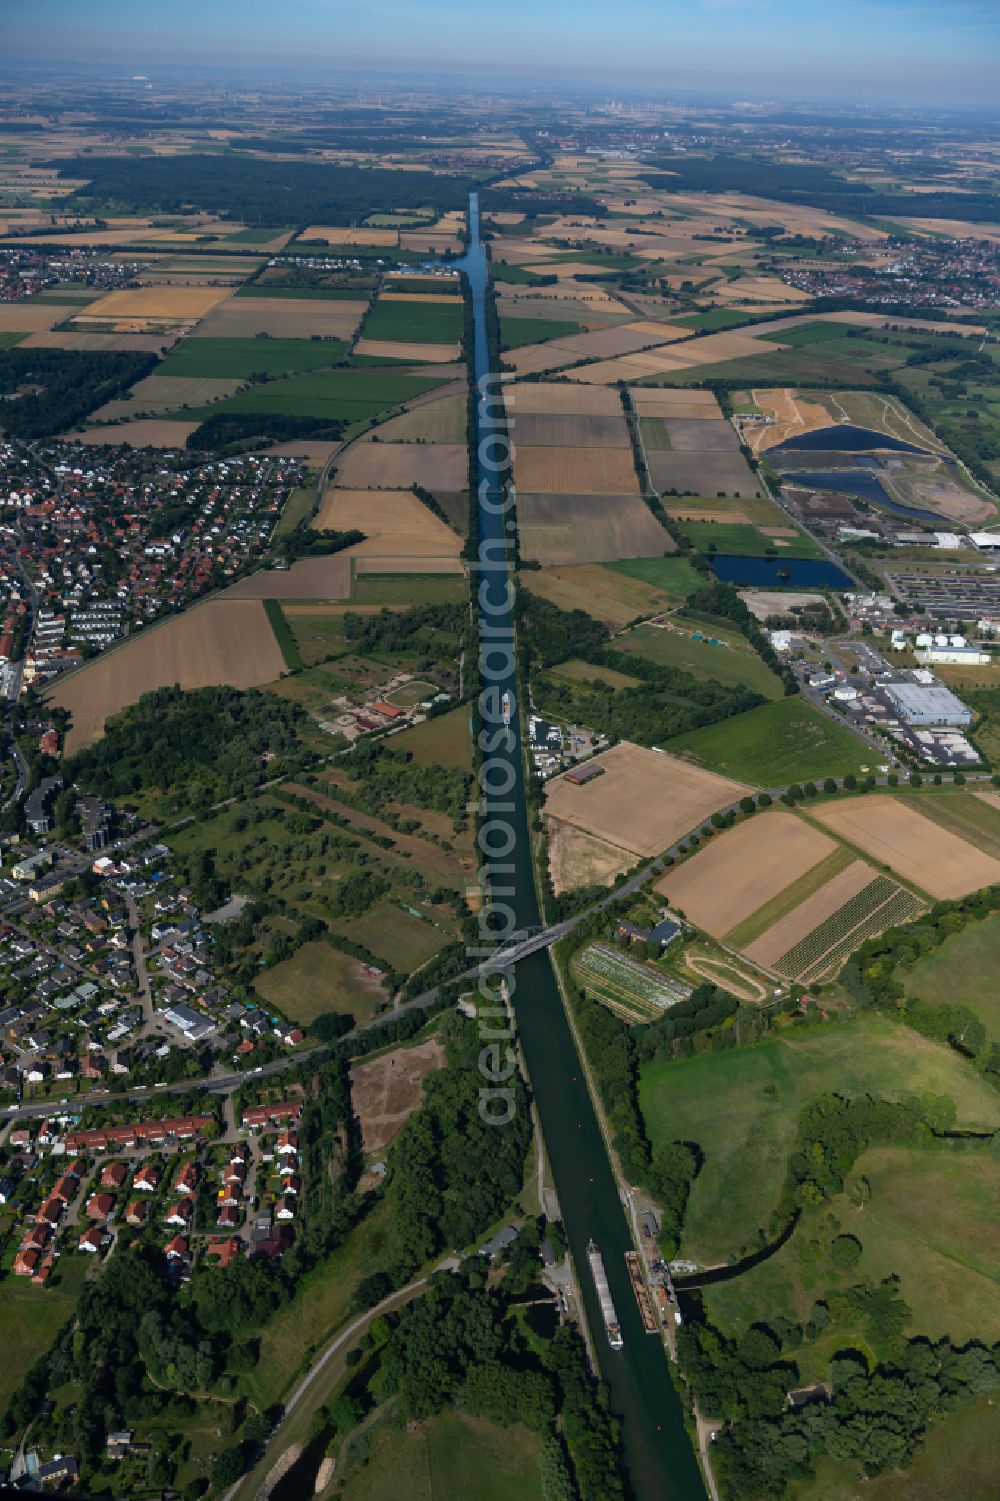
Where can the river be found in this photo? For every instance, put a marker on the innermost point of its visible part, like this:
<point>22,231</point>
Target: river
<point>659,1459</point>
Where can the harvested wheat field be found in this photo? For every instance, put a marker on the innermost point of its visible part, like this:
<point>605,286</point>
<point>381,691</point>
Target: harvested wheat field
<point>440,421</point>
<point>443,297</point>
<point>309,578</point>
<point>809,914</point>
<point>407,353</point>
<point>221,642</point>
<point>78,338</point>
<point>702,473</point>
<point>536,398</point>
<point>578,859</point>
<point>644,801</point>
<point>553,430</point>
<point>153,305</point>
<point>151,432</point>
<point>391,466</point>
<point>30,317</point>
<point>395,524</point>
<point>932,858</point>
<point>283,318</point>
<point>743,868</point>
<point>692,435</point>
<point>569,471</point>
<point>390,563</point>
<point>386,1090</point>
<point>166,393</point>
<point>584,528</point>
<point>340,234</point>
<point>615,598</point>
<point>687,406</point>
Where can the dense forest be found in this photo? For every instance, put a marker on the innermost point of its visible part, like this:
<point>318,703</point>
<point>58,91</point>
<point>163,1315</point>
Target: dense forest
<point>668,701</point>
<point>44,391</point>
<point>259,192</point>
<point>224,429</point>
<point>209,743</point>
<point>817,186</point>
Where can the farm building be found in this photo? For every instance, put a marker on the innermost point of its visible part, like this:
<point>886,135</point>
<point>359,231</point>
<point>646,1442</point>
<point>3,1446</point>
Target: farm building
<point>587,773</point>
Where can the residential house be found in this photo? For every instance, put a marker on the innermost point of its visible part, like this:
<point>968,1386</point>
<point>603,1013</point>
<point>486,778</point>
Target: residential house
<point>147,1178</point>
<point>180,1213</point>
<point>136,1212</point>
<point>91,1240</point>
<point>99,1206</point>
<point>187,1179</point>
<point>285,1208</point>
<point>176,1249</point>
<point>114,1175</point>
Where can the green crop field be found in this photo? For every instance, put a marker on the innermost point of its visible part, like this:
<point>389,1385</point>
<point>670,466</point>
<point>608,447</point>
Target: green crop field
<point>283,634</point>
<point>451,1457</point>
<point>958,1458</point>
<point>954,1250</point>
<point>319,978</point>
<point>233,359</point>
<point>517,331</point>
<point>733,661</point>
<point>415,322</point>
<point>745,541</point>
<point>672,575</point>
<point>345,395</point>
<point>965,971</point>
<point>848,362</point>
<point>408,589</point>
<point>741,1107</point>
<point>303,294</point>
<point>777,743</point>
<point>806,333</point>
<point>8,339</point>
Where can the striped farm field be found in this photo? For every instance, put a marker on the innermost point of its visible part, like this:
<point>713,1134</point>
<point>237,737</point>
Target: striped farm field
<point>633,991</point>
<point>880,905</point>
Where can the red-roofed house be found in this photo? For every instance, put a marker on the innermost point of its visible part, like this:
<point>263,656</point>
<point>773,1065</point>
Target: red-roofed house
<point>225,1250</point>
<point>147,1178</point>
<point>114,1175</point>
<point>91,1240</point>
<point>136,1212</point>
<point>187,1179</point>
<point>284,1209</point>
<point>25,1263</point>
<point>180,1213</point>
<point>99,1206</point>
<point>176,1249</point>
<point>229,1217</point>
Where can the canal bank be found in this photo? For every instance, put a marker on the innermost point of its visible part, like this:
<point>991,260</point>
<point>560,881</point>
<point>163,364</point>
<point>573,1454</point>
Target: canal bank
<point>659,1459</point>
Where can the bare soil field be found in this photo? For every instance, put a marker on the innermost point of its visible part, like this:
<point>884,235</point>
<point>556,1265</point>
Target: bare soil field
<point>395,524</point>
<point>702,473</point>
<point>309,578</point>
<point>441,421</point>
<point>644,802</point>
<point>221,642</point>
<point>535,398</point>
<point>385,1091</point>
<point>535,429</point>
<point>685,406</point>
<point>283,318</point>
<point>743,868</point>
<point>794,415</point>
<point>435,466</point>
<point>612,597</point>
<point>578,859</point>
<point>764,602</point>
<point>593,471</point>
<point>583,528</point>
<point>808,915</point>
<point>153,305</point>
<point>691,435</point>
<point>415,354</point>
<point>152,432</point>
<point>892,832</point>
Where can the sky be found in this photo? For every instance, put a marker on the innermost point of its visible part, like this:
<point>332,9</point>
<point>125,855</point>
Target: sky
<point>917,52</point>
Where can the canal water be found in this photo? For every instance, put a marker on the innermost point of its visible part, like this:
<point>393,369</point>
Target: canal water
<point>659,1459</point>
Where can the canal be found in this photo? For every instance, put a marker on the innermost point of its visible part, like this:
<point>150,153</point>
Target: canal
<point>659,1459</point>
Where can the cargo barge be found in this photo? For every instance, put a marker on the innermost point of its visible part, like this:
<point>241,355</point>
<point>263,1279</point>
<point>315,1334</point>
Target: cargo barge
<point>641,1291</point>
<point>600,1277</point>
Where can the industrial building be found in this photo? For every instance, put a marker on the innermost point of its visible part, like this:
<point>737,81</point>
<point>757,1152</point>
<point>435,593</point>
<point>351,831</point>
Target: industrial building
<point>921,703</point>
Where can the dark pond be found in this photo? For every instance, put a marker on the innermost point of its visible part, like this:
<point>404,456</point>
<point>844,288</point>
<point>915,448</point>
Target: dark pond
<point>858,482</point>
<point>763,573</point>
<point>845,438</point>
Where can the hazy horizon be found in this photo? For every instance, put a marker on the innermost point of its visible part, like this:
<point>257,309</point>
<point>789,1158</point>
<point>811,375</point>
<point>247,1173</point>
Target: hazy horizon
<point>897,52</point>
